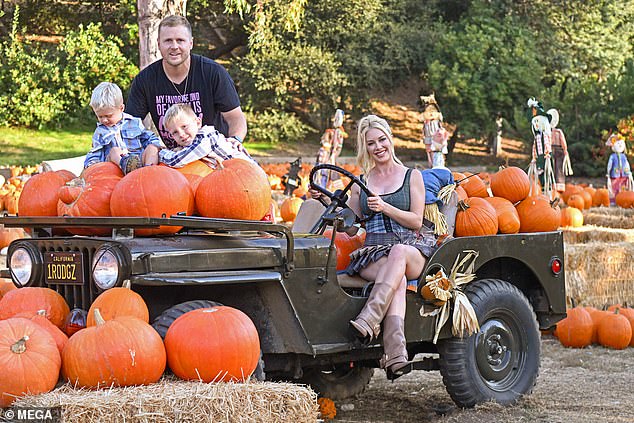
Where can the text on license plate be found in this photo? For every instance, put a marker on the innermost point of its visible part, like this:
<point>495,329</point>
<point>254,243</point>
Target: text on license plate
<point>63,267</point>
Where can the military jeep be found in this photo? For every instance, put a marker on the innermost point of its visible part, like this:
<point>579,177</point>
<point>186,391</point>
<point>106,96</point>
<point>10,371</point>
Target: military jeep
<point>287,283</point>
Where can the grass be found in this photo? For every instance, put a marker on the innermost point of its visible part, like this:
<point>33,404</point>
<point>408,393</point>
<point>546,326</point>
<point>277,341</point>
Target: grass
<point>21,146</point>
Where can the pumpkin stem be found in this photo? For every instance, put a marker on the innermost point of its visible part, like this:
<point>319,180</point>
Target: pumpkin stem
<point>99,320</point>
<point>20,346</point>
<point>41,313</point>
<point>127,284</point>
<point>462,205</point>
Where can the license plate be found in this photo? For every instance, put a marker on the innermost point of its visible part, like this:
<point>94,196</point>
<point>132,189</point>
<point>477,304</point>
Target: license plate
<point>63,268</point>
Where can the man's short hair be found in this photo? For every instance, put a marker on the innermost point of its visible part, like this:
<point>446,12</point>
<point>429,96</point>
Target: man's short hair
<point>106,94</point>
<point>174,21</point>
<point>176,110</point>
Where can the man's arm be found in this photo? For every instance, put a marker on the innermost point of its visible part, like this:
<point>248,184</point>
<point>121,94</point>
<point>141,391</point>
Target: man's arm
<point>237,122</point>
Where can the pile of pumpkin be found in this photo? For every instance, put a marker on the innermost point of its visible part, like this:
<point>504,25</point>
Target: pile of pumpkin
<point>237,190</point>
<point>583,326</point>
<point>508,205</point>
<point>40,344</point>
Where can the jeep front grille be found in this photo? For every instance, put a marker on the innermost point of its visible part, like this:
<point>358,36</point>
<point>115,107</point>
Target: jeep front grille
<point>76,296</point>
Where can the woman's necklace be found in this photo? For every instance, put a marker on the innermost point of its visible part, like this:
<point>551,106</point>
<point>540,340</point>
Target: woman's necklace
<point>181,95</point>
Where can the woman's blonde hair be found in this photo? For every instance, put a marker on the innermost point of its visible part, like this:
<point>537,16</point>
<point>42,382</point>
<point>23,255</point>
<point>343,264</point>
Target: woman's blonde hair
<point>368,122</point>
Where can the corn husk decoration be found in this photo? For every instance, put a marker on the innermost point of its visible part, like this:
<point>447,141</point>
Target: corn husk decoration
<point>567,166</point>
<point>440,289</point>
<point>549,178</point>
<point>433,214</point>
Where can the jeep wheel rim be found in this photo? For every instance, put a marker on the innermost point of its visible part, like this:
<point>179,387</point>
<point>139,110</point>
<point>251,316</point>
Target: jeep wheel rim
<point>500,356</point>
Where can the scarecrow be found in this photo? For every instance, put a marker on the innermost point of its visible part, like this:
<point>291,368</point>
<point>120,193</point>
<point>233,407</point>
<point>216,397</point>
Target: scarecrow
<point>331,146</point>
<point>434,134</point>
<point>619,175</point>
<point>561,160</point>
<point>540,170</point>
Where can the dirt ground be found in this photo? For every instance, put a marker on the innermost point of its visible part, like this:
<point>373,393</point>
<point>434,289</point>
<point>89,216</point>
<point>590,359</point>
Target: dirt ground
<point>575,385</point>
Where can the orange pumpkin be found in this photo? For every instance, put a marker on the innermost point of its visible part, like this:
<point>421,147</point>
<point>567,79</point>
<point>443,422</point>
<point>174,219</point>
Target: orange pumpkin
<point>124,351</point>
<point>462,194</point>
<point>40,194</point>
<point>570,190</point>
<point>597,316</point>
<point>226,346</point>
<point>474,186</point>
<point>601,198</point>
<point>508,219</point>
<point>345,245</point>
<point>587,198</point>
<point>628,313</point>
<point>571,217</point>
<point>238,190</point>
<point>117,302</point>
<point>538,214</point>
<point>56,333</point>
<point>30,300</point>
<point>475,217</point>
<point>614,331</point>
<point>625,199</point>
<point>511,183</point>
<point>30,360</point>
<point>67,175</point>
<point>290,208</point>
<point>576,329</point>
<point>8,235</point>
<point>152,191</point>
<point>194,172</point>
<point>577,201</point>
<point>89,195</point>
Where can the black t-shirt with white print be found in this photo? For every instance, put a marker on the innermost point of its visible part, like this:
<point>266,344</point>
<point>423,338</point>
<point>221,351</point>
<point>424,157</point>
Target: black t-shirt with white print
<point>208,88</point>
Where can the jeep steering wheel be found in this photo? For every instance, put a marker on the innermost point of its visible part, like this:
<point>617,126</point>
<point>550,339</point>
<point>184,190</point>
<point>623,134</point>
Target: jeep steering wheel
<point>337,198</point>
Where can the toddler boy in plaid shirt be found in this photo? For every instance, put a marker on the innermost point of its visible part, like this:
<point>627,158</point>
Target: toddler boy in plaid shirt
<point>119,138</point>
<point>197,142</point>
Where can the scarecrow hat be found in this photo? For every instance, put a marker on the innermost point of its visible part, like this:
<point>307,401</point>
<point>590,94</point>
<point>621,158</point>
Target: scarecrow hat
<point>554,115</point>
<point>535,108</point>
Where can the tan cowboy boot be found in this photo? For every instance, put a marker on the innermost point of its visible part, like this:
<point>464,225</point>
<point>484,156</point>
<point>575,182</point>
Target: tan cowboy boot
<point>368,322</point>
<point>395,360</point>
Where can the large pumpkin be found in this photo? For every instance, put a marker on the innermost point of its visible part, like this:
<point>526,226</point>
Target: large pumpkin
<point>194,172</point>
<point>40,194</point>
<point>213,344</point>
<point>89,195</point>
<point>538,214</point>
<point>345,245</point>
<point>124,351</point>
<point>572,217</point>
<point>508,219</point>
<point>614,331</point>
<point>475,217</point>
<point>117,302</point>
<point>577,201</point>
<point>30,300</point>
<point>237,190</point>
<point>511,183</point>
<point>152,191</point>
<point>29,360</point>
<point>576,329</point>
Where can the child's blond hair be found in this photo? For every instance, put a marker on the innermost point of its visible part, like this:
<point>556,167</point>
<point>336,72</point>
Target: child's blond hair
<point>178,109</point>
<point>106,94</point>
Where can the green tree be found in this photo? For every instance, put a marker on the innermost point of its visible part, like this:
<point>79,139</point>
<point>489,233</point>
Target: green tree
<point>484,65</point>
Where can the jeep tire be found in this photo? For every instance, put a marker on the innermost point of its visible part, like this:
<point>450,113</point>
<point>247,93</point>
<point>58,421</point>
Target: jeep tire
<point>339,383</point>
<point>162,323</point>
<point>501,362</point>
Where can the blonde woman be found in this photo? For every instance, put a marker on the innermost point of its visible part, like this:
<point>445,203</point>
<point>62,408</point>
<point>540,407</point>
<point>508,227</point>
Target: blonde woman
<point>394,251</point>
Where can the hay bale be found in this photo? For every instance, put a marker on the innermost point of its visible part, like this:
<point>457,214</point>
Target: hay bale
<point>173,400</point>
<point>612,217</point>
<point>592,233</point>
<point>600,273</point>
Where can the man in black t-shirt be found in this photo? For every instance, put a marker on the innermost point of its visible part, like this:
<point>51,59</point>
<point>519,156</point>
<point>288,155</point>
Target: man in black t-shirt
<point>182,77</point>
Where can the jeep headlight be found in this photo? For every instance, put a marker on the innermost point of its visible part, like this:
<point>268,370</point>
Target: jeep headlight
<point>111,265</point>
<point>25,264</point>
